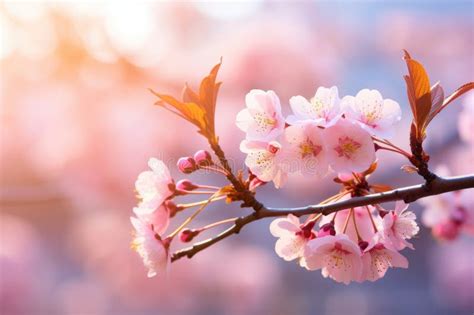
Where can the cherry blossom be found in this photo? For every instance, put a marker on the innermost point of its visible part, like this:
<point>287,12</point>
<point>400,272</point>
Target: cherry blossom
<point>154,186</point>
<point>349,147</point>
<point>371,111</point>
<point>292,237</point>
<point>377,259</point>
<point>362,219</point>
<point>338,257</point>
<point>262,119</point>
<point>151,248</point>
<point>159,218</point>
<point>397,226</point>
<point>449,214</point>
<point>322,109</point>
<point>266,160</point>
<point>305,149</point>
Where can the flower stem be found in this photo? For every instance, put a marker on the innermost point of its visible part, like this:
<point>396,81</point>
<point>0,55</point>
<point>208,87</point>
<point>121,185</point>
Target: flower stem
<point>392,147</point>
<point>199,192</point>
<point>191,218</point>
<point>209,226</point>
<point>346,223</point>
<point>209,187</point>
<point>198,203</point>
<point>355,224</point>
<point>216,169</point>
<point>371,219</point>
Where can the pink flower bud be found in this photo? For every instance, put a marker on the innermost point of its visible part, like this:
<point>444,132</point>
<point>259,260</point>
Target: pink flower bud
<point>327,229</point>
<point>186,184</point>
<point>203,158</point>
<point>187,235</point>
<point>186,165</point>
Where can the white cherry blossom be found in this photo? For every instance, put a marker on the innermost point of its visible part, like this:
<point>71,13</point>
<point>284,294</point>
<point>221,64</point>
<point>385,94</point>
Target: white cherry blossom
<point>151,248</point>
<point>338,257</point>
<point>262,119</point>
<point>372,112</point>
<point>323,108</point>
<point>349,147</point>
<point>154,186</point>
<point>305,149</point>
<point>266,160</point>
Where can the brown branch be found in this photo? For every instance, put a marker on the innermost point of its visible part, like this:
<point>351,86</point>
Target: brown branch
<point>246,196</point>
<point>408,194</point>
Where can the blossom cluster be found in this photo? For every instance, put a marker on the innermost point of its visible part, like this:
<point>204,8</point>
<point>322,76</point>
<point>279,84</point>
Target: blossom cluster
<point>156,190</point>
<point>323,133</point>
<point>452,214</point>
<point>356,244</point>
<point>152,216</point>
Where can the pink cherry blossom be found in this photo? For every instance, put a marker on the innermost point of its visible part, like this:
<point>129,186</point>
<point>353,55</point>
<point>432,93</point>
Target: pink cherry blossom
<point>159,218</point>
<point>372,112</point>
<point>465,207</point>
<point>266,160</point>
<point>305,149</point>
<point>377,259</point>
<point>446,230</point>
<point>398,226</point>
<point>338,257</point>
<point>292,238</point>
<point>262,119</point>
<point>449,214</point>
<point>362,219</point>
<point>154,186</point>
<point>349,147</point>
<point>322,109</point>
<point>151,248</point>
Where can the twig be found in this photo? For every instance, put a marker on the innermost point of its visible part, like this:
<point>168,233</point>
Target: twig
<point>409,194</point>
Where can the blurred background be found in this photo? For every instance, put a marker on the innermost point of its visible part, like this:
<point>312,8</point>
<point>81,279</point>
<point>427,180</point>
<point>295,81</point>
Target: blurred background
<point>78,124</point>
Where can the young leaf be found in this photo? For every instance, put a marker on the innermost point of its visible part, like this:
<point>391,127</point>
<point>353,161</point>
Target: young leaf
<point>419,95</point>
<point>192,112</point>
<point>460,91</point>
<point>198,109</point>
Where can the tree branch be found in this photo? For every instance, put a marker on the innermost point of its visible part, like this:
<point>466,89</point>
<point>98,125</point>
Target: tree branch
<point>408,194</point>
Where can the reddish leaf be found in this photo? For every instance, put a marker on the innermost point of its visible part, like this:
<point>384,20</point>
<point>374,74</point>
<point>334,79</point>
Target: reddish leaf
<point>418,89</point>
<point>199,109</point>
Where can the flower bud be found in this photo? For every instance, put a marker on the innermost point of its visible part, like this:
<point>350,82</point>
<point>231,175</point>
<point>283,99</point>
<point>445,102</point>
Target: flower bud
<point>187,235</point>
<point>186,184</point>
<point>327,229</point>
<point>203,158</point>
<point>186,165</point>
